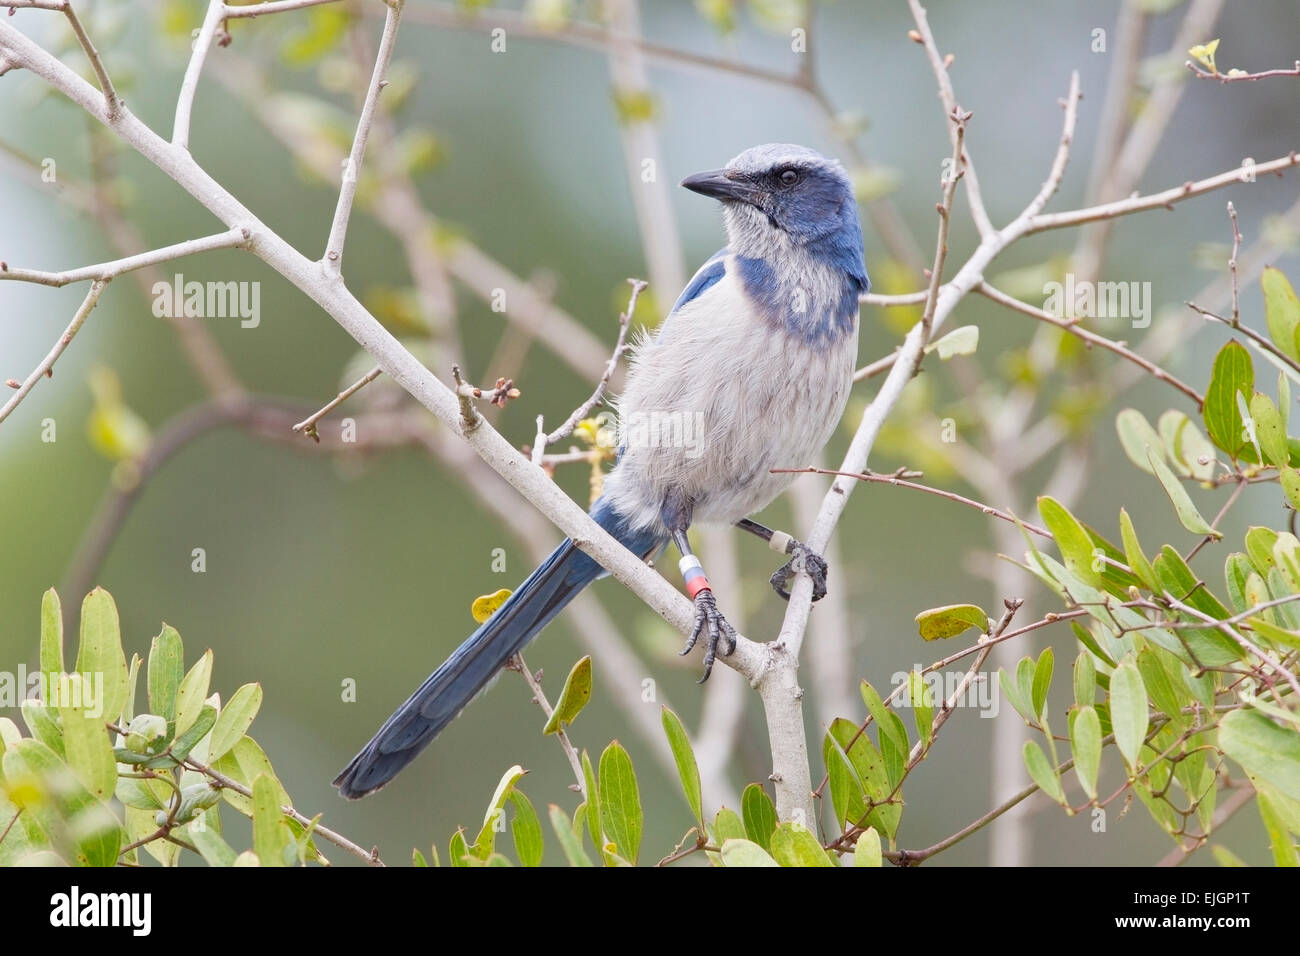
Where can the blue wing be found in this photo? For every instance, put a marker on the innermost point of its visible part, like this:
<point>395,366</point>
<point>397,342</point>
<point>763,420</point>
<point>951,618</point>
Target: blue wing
<point>706,277</point>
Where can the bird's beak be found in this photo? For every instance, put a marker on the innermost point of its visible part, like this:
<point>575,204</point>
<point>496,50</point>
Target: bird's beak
<point>716,183</point>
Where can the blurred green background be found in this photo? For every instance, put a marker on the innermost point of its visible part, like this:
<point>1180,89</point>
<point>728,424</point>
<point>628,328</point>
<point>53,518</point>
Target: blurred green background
<point>321,569</point>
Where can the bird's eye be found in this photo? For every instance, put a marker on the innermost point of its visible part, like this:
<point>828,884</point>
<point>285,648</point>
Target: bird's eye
<point>789,177</point>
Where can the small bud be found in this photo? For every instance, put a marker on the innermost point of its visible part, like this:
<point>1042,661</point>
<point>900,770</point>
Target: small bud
<point>13,383</point>
<point>914,36</point>
<point>947,60</point>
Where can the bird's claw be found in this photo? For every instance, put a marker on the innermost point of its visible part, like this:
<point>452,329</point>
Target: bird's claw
<point>802,558</point>
<point>708,615</point>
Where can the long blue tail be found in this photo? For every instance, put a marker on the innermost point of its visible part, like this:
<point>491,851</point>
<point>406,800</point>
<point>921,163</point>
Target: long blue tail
<point>448,689</point>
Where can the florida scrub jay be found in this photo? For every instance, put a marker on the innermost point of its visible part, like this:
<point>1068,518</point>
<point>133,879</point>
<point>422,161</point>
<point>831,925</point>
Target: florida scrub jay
<point>758,355</point>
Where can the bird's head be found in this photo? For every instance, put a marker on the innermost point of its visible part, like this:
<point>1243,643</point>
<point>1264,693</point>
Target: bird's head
<point>789,188</point>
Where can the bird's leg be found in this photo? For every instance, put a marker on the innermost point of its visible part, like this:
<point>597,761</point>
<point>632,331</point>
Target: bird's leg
<point>707,615</point>
<point>802,558</point>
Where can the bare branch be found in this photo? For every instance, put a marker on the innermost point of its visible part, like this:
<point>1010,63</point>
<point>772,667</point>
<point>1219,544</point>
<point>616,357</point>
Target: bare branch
<point>46,367</point>
<point>308,425</point>
<point>620,346</point>
<point>352,171</point>
<point>230,239</point>
<point>270,6</point>
<point>1092,338</point>
<point>190,83</point>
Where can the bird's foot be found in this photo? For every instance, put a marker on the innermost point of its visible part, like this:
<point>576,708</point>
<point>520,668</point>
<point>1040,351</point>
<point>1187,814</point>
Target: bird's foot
<point>802,558</point>
<point>708,617</point>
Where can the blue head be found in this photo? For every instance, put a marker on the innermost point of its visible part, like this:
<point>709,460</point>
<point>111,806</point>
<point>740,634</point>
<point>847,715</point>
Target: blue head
<point>779,196</point>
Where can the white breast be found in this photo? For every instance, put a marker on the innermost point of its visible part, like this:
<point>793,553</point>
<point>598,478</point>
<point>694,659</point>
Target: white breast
<point>716,398</point>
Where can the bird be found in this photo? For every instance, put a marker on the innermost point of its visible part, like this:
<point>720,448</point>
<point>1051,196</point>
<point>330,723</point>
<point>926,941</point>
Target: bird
<point>749,372</point>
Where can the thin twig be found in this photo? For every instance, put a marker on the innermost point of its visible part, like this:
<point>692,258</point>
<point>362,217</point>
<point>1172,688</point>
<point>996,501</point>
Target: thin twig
<point>939,66</point>
<point>1239,76</point>
<point>1077,330</point>
<point>111,100</point>
<point>46,367</point>
<point>900,478</point>
<point>1164,199</point>
<point>959,118</point>
<point>539,696</point>
<point>190,83</point>
<point>103,271</point>
<point>333,259</point>
<point>370,856</point>
<point>308,425</point>
<point>620,346</point>
<point>271,6</point>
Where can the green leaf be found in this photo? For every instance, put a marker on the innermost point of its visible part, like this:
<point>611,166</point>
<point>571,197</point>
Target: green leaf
<point>1281,311</point>
<point>1188,450</point>
<point>574,697</point>
<point>1236,570</point>
<point>458,853</point>
<point>1085,741</point>
<point>621,816</point>
<point>526,830</point>
<point>192,691</point>
<point>918,693</point>
<point>42,725</point>
<point>1269,429</point>
<point>727,825</point>
<point>89,751</point>
<point>869,774</point>
<point>1085,679</point>
<point>51,637</point>
<point>1128,711</point>
<point>270,835</point>
<point>1137,436</point>
<point>1072,538</point>
<point>184,743</point>
<point>1264,749</point>
<point>1188,516</point>
<point>493,818</point>
<point>889,724</point>
<point>1042,682</point>
<point>236,717</point>
<point>166,668</point>
<point>1011,691</point>
<point>1290,481</point>
<point>100,651</point>
<point>211,845</point>
<point>687,769</point>
<point>1233,375</point>
<point>943,622</point>
<point>744,853</point>
<point>1274,634</point>
<point>569,840</point>
<point>794,845</point>
<point>1042,772</point>
<point>759,814</point>
<point>1158,685</point>
<point>1279,838</point>
<point>866,852</point>
<point>960,341</point>
<point>82,829</point>
<point>1133,554</point>
<point>593,802</point>
<point>1259,546</point>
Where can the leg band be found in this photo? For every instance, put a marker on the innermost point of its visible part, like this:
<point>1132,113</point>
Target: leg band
<point>780,542</point>
<point>693,575</point>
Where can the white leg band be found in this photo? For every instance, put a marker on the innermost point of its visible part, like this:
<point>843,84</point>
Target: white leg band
<point>780,541</point>
<point>688,562</point>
